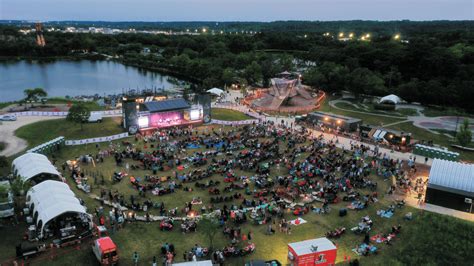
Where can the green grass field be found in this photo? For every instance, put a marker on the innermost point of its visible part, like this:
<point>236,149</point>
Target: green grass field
<point>416,244</point>
<point>366,118</point>
<point>43,131</point>
<point>228,115</point>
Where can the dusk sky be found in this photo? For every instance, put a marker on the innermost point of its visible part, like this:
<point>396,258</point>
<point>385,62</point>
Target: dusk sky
<point>236,10</point>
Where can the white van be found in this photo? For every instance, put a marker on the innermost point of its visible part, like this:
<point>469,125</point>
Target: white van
<point>7,207</point>
<point>95,118</point>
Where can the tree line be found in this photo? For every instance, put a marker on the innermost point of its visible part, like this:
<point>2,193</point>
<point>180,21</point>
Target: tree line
<point>430,66</point>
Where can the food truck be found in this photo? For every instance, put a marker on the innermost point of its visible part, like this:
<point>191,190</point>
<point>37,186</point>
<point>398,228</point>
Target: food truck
<point>320,252</point>
<point>105,251</point>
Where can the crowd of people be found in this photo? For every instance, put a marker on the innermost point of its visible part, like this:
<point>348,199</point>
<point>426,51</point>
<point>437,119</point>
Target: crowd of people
<point>267,169</point>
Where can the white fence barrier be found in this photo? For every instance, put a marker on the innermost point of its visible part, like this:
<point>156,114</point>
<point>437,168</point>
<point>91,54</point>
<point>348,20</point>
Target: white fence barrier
<point>38,113</point>
<point>96,140</point>
<point>234,123</point>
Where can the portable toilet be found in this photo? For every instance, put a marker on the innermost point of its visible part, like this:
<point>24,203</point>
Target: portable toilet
<point>320,252</point>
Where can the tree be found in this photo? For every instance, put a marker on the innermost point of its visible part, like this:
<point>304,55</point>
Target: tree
<point>19,186</point>
<point>464,135</point>
<point>3,161</point>
<point>209,227</point>
<point>34,94</point>
<point>253,73</point>
<point>78,113</point>
<point>364,81</point>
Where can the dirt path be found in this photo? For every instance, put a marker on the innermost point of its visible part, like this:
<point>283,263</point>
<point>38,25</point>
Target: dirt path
<point>13,143</point>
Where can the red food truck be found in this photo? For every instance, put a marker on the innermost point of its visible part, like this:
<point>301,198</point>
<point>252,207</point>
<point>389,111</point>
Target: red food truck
<point>320,252</point>
<point>105,251</point>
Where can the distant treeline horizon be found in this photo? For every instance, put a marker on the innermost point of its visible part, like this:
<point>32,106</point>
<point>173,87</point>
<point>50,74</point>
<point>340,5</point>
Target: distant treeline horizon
<point>375,26</point>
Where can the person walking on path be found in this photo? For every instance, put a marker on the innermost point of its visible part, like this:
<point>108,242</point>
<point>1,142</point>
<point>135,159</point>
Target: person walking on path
<point>135,258</point>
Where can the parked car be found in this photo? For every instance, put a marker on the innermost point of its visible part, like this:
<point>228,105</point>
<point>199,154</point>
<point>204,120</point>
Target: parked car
<point>95,118</point>
<point>7,118</point>
<point>7,208</point>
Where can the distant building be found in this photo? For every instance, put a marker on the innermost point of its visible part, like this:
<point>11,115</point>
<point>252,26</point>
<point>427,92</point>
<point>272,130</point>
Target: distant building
<point>344,123</point>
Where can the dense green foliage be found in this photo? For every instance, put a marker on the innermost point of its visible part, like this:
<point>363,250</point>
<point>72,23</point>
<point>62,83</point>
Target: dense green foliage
<point>464,135</point>
<point>436,240</point>
<point>433,65</point>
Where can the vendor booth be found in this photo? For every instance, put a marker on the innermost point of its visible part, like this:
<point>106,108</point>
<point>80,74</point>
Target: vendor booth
<point>320,251</point>
<point>54,211</point>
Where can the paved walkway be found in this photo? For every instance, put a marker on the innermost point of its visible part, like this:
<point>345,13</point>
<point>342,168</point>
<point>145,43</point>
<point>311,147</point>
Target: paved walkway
<point>15,144</point>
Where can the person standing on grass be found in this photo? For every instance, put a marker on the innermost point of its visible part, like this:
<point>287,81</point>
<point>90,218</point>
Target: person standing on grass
<point>135,258</point>
<point>154,261</point>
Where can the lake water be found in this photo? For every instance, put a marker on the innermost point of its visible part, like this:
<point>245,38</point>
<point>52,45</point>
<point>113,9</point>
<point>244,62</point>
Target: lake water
<point>73,78</point>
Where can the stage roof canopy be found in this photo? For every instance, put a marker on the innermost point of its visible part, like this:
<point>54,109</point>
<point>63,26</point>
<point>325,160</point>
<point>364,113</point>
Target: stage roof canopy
<point>166,105</point>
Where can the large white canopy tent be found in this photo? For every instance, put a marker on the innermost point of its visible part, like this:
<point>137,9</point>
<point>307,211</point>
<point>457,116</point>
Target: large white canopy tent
<point>51,199</point>
<point>451,185</point>
<point>216,91</point>
<point>452,176</point>
<point>32,164</point>
<point>392,98</point>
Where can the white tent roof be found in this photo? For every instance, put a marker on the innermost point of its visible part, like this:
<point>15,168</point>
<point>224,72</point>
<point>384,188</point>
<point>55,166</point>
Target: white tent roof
<point>194,263</point>
<point>51,199</point>
<point>216,91</point>
<point>305,247</point>
<point>452,176</point>
<point>33,164</point>
<point>392,98</point>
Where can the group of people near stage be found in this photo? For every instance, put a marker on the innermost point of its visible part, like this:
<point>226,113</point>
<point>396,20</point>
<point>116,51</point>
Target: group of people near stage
<point>286,168</point>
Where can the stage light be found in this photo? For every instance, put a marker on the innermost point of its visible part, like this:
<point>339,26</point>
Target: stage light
<point>396,37</point>
<point>194,114</point>
<point>326,119</point>
<point>339,121</point>
<point>143,121</point>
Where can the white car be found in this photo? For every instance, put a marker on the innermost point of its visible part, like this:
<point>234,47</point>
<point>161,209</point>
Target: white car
<point>7,118</point>
<point>95,118</point>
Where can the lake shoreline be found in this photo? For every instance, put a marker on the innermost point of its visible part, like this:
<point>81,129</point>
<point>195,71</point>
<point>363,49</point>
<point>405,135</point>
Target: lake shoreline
<point>80,76</point>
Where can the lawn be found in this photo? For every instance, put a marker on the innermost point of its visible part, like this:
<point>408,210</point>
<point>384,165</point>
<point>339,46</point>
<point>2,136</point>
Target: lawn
<point>427,232</point>
<point>43,131</point>
<point>228,115</point>
<point>445,111</point>
<point>375,120</point>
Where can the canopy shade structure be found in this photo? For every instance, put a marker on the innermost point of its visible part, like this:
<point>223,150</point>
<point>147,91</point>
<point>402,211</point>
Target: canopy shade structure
<point>392,98</point>
<point>216,91</point>
<point>453,177</point>
<point>30,165</point>
<point>165,105</point>
<point>51,199</point>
